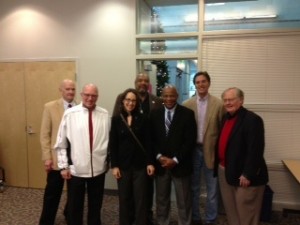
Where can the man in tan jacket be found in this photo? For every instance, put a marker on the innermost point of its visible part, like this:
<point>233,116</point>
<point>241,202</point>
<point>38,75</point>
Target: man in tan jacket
<point>52,115</point>
<point>208,112</point>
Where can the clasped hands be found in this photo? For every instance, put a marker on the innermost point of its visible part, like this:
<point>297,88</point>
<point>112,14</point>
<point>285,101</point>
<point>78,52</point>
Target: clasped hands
<point>167,162</point>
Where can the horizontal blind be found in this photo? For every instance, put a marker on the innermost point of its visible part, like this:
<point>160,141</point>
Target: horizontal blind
<point>267,69</point>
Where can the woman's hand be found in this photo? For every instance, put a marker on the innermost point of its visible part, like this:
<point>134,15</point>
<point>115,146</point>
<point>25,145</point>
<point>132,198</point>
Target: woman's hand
<point>116,172</point>
<point>150,170</point>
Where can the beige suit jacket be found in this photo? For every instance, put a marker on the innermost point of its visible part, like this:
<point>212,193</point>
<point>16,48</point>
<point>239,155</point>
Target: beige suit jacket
<point>213,118</point>
<point>52,115</point>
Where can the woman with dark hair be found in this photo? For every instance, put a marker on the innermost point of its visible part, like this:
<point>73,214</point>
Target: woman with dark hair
<point>130,159</point>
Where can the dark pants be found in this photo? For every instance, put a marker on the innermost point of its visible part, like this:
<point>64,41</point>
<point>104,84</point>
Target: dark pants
<point>52,195</point>
<point>76,193</point>
<point>150,193</point>
<point>132,188</point>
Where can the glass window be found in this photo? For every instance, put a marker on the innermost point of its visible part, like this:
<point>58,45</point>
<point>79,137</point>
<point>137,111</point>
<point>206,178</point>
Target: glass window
<point>173,46</point>
<point>260,14</point>
<point>179,73</point>
<point>163,16</point>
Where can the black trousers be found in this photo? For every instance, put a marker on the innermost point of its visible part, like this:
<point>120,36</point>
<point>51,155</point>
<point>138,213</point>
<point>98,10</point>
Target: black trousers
<point>132,188</point>
<point>76,193</point>
<point>52,194</point>
<point>150,193</point>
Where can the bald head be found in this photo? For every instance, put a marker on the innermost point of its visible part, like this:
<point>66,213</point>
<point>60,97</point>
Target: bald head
<point>169,95</point>
<point>142,82</point>
<point>67,89</point>
<point>89,95</point>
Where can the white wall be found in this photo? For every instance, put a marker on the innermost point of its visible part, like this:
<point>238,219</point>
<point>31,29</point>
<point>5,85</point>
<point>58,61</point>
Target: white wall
<point>98,34</point>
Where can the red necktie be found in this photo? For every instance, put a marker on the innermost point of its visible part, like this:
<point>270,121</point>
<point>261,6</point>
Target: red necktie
<point>91,129</point>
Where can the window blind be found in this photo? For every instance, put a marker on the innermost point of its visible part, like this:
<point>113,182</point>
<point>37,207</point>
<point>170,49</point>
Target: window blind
<point>267,69</point>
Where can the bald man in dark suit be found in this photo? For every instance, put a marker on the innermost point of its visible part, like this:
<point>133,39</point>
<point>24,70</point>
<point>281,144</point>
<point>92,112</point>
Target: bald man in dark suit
<point>173,144</point>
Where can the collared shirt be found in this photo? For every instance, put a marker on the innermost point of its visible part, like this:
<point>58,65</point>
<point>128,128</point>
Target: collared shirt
<point>201,109</point>
<point>145,105</point>
<point>66,104</point>
<point>172,111</point>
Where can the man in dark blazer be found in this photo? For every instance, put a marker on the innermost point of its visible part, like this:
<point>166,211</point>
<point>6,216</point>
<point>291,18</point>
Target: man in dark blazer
<point>147,103</point>
<point>240,164</point>
<point>173,143</point>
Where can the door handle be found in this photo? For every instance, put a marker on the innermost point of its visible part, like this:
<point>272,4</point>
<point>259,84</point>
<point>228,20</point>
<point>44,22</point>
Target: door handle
<point>29,130</point>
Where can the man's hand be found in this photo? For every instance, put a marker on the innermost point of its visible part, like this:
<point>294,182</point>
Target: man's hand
<point>244,182</point>
<point>167,162</point>
<point>66,174</point>
<point>48,164</point>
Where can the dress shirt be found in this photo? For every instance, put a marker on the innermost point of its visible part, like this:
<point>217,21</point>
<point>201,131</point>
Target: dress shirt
<point>66,104</point>
<point>172,111</point>
<point>202,108</point>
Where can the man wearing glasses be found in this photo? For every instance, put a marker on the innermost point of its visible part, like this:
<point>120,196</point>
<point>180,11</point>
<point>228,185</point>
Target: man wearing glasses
<point>85,128</point>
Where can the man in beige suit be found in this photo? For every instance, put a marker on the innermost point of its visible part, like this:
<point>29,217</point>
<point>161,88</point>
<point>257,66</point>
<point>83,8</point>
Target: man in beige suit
<point>52,115</point>
<point>208,112</point>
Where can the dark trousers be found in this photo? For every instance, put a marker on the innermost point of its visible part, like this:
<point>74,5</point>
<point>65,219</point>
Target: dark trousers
<point>76,193</point>
<point>52,195</point>
<point>132,188</point>
<point>150,193</point>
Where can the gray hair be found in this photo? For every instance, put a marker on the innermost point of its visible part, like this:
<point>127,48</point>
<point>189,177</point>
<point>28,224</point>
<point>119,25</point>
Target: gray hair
<point>239,93</point>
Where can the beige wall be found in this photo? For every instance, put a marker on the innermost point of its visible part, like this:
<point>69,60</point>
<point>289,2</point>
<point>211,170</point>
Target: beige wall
<point>98,34</point>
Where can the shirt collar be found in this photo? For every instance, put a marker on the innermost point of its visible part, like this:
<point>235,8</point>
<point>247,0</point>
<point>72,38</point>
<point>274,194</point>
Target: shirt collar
<point>205,98</point>
<point>66,104</point>
<point>171,110</point>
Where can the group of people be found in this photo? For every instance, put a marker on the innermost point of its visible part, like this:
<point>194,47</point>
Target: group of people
<point>151,143</point>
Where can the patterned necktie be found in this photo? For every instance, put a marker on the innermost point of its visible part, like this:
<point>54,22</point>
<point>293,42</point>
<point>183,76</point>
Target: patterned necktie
<point>168,122</point>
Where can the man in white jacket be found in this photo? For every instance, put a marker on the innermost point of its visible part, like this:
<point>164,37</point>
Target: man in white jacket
<point>82,155</point>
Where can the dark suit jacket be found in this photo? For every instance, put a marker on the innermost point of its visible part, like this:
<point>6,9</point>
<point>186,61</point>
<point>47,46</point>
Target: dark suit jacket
<point>180,141</point>
<point>245,149</point>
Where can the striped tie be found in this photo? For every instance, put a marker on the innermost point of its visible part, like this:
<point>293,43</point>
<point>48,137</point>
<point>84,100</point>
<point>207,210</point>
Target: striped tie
<point>168,122</point>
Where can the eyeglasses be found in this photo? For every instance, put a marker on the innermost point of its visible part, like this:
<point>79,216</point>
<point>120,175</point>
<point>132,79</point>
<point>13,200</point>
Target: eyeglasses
<point>229,100</point>
<point>88,95</point>
<point>130,100</point>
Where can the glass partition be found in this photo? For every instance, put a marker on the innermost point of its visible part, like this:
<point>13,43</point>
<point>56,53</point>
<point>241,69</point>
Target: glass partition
<point>168,46</point>
<point>259,14</point>
<point>178,72</point>
<point>163,16</point>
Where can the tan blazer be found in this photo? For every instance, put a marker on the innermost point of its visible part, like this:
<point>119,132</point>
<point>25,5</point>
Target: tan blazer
<point>213,118</point>
<point>52,115</point>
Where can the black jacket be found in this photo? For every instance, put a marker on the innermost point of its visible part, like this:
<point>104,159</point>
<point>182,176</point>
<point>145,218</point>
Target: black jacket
<point>245,150</point>
<point>180,141</point>
<point>125,152</point>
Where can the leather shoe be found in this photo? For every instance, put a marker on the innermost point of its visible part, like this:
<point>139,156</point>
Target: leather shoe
<point>197,222</point>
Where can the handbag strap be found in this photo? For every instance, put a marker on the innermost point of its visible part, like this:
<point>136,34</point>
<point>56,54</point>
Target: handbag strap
<point>134,136</point>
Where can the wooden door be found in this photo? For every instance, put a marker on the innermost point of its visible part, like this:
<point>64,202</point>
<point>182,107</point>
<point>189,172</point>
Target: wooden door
<point>40,81</point>
<point>13,143</point>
